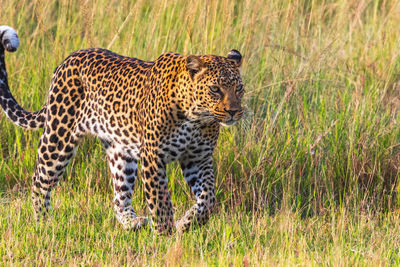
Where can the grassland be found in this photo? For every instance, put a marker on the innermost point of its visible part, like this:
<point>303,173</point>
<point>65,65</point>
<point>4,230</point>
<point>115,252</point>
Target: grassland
<point>309,177</point>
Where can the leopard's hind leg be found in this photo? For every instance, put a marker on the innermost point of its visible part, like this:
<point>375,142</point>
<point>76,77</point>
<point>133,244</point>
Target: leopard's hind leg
<point>56,148</point>
<point>61,135</point>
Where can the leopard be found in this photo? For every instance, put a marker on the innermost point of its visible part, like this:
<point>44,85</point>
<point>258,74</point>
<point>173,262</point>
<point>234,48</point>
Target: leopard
<point>146,114</point>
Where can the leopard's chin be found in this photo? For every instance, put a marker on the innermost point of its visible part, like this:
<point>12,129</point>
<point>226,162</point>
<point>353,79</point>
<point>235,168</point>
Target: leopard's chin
<point>228,123</point>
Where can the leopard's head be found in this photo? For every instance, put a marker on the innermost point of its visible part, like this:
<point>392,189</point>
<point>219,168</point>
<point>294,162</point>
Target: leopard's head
<point>217,86</point>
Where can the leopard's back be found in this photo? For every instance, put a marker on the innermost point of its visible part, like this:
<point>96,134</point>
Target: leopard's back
<point>99,91</point>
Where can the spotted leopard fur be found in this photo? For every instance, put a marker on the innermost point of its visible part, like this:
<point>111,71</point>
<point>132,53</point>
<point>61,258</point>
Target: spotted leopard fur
<point>152,112</point>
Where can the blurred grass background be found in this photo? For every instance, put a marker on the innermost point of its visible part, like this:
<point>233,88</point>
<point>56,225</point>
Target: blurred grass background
<point>309,176</point>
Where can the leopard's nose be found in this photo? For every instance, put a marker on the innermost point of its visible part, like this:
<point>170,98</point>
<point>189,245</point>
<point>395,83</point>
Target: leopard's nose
<point>232,112</point>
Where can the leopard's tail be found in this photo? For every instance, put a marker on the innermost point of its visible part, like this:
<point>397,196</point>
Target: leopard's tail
<point>31,120</point>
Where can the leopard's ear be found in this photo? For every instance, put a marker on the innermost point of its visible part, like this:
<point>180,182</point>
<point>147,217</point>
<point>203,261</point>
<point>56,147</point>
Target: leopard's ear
<point>194,65</point>
<point>236,57</point>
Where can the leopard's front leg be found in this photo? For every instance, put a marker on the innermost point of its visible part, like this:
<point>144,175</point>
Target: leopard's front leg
<point>156,191</point>
<point>199,175</point>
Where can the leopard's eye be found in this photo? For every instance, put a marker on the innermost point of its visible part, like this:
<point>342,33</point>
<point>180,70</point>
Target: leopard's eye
<point>215,89</point>
<point>239,89</point>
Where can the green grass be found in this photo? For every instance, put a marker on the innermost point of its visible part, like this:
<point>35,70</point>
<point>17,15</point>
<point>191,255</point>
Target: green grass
<point>310,176</point>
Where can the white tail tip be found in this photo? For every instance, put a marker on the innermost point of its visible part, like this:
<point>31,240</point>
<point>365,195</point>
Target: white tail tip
<point>9,38</point>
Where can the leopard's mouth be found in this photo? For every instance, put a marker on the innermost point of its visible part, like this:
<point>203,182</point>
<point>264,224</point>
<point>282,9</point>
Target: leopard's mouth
<point>223,120</point>
<point>228,120</point>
